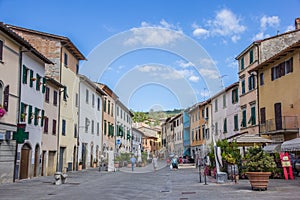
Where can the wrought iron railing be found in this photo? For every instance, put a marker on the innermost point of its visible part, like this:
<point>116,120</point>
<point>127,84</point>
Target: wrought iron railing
<point>285,123</point>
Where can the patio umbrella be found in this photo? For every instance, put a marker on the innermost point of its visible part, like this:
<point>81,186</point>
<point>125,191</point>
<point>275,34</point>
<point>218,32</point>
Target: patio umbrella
<point>291,145</point>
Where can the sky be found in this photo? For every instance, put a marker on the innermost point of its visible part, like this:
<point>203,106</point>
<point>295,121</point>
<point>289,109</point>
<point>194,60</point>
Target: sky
<point>158,54</point>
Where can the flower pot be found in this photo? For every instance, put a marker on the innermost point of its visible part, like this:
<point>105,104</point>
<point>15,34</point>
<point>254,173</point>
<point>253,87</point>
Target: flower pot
<point>259,180</point>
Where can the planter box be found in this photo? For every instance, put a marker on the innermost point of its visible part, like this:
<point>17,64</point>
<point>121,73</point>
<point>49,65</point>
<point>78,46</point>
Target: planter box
<point>259,180</point>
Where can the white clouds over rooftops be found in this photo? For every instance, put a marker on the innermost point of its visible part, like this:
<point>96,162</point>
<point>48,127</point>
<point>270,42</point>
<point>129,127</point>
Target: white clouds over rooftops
<point>272,21</point>
<point>225,23</point>
<point>168,73</point>
<point>155,35</point>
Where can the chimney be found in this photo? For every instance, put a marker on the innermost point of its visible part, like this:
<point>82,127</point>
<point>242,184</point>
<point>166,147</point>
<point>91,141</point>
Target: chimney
<point>297,23</point>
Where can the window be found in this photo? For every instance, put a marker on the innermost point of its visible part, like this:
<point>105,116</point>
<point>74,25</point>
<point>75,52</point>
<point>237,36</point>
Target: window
<point>112,110</point>
<point>261,79</point>
<point>282,69</point>
<point>92,126</point>
<point>242,63</point>
<point>30,114</point>
<point>243,124</point>
<point>216,105</point>
<point>243,86</point>
<point>76,99</point>
<point>104,127</point>
<point>252,119</point>
<point>65,93</point>
<point>54,127</point>
<point>236,122</point>
<point>87,123</point>
<point>251,58</point>
<point>47,94</point>
<point>98,104</point>
<point>1,50</point>
<point>66,59</point>
<point>193,135</point>
<point>63,126</point>
<point>108,107</point>
<point>87,96</point>
<point>98,128</point>
<point>75,130</point>
<point>117,110</point>
<point>1,92</point>
<point>93,100</point>
<point>224,100</point>
<point>216,128</point>
<point>46,122</point>
<point>263,115</point>
<point>55,97</point>
<point>225,126</point>
<point>38,82</point>
<point>104,105</point>
<point>31,78</point>
<point>25,74</point>
<point>235,95</point>
<point>251,82</point>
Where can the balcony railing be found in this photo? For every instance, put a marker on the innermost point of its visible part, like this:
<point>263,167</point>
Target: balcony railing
<point>286,123</point>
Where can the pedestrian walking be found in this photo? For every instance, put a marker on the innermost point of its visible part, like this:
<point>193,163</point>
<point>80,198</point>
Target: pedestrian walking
<point>154,162</point>
<point>132,159</point>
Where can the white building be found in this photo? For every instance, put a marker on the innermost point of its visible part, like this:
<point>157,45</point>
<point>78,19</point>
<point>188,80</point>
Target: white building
<point>177,122</point>
<point>32,112</point>
<point>225,109</point>
<point>90,122</point>
<point>137,136</point>
<point>123,128</point>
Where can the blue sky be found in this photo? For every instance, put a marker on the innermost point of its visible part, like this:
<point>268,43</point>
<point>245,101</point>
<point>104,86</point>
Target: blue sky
<point>157,54</point>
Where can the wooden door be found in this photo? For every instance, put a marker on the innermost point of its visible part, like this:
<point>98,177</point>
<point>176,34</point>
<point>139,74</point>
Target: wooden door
<point>24,165</point>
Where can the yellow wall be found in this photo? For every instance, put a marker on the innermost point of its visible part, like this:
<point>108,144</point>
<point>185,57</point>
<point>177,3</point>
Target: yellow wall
<point>284,90</point>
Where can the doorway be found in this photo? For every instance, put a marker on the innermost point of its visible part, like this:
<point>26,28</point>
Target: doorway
<point>278,116</point>
<point>36,160</point>
<point>25,161</point>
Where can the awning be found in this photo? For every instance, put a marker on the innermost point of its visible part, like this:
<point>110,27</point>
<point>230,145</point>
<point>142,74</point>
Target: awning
<point>249,140</point>
<point>272,148</point>
<point>291,145</point>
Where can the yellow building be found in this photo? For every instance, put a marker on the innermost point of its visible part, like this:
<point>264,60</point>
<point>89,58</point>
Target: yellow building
<point>279,94</point>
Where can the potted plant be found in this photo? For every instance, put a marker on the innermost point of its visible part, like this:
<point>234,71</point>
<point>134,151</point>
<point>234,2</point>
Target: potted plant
<point>259,165</point>
<point>2,111</point>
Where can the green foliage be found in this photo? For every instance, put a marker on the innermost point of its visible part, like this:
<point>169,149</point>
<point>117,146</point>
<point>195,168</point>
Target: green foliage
<point>123,157</point>
<point>259,161</point>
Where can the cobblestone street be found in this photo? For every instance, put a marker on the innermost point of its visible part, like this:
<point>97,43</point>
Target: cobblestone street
<point>163,184</point>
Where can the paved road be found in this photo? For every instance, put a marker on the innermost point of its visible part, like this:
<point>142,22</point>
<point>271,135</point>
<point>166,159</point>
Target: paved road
<point>163,184</point>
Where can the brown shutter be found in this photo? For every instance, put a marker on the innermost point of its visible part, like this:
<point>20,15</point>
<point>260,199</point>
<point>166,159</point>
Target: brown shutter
<point>6,98</point>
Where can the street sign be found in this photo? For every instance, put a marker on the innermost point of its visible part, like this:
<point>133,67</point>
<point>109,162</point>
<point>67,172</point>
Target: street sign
<point>118,141</point>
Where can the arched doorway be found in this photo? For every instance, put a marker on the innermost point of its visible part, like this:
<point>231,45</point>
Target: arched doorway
<point>25,161</point>
<point>36,160</point>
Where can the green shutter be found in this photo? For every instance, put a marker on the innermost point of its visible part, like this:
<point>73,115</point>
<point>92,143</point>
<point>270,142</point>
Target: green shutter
<point>29,114</point>
<point>31,78</point>
<point>225,126</point>
<point>65,93</point>
<point>42,118</point>
<point>253,115</point>
<point>22,112</point>
<point>25,70</point>
<point>36,113</point>
<point>37,83</point>
<point>44,85</point>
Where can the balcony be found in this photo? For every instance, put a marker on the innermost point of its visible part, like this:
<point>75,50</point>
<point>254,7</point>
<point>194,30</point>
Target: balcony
<point>279,125</point>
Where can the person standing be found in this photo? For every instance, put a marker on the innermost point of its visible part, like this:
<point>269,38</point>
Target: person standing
<point>132,159</point>
<point>154,162</point>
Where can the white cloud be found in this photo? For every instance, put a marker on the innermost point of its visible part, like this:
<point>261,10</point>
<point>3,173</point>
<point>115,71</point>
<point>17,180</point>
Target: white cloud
<point>272,21</point>
<point>194,78</point>
<point>289,28</point>
<point>226,23</point>
<point>184,64</point>
<point>210,73</point>
<point>231,62</point>
<point>168,73</point>
<point>155,35</point>
<point>260,36</point>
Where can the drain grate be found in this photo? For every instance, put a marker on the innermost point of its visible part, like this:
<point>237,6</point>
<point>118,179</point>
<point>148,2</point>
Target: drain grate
<point>165,191</point>
<point>183,198</point>
<point>51,194</point>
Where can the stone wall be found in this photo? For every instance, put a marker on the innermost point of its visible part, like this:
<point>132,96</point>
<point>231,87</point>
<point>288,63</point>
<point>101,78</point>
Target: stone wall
<point>7,159</point>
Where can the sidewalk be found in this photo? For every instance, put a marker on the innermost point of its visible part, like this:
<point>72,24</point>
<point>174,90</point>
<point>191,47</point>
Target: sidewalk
<point>148,168</point>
